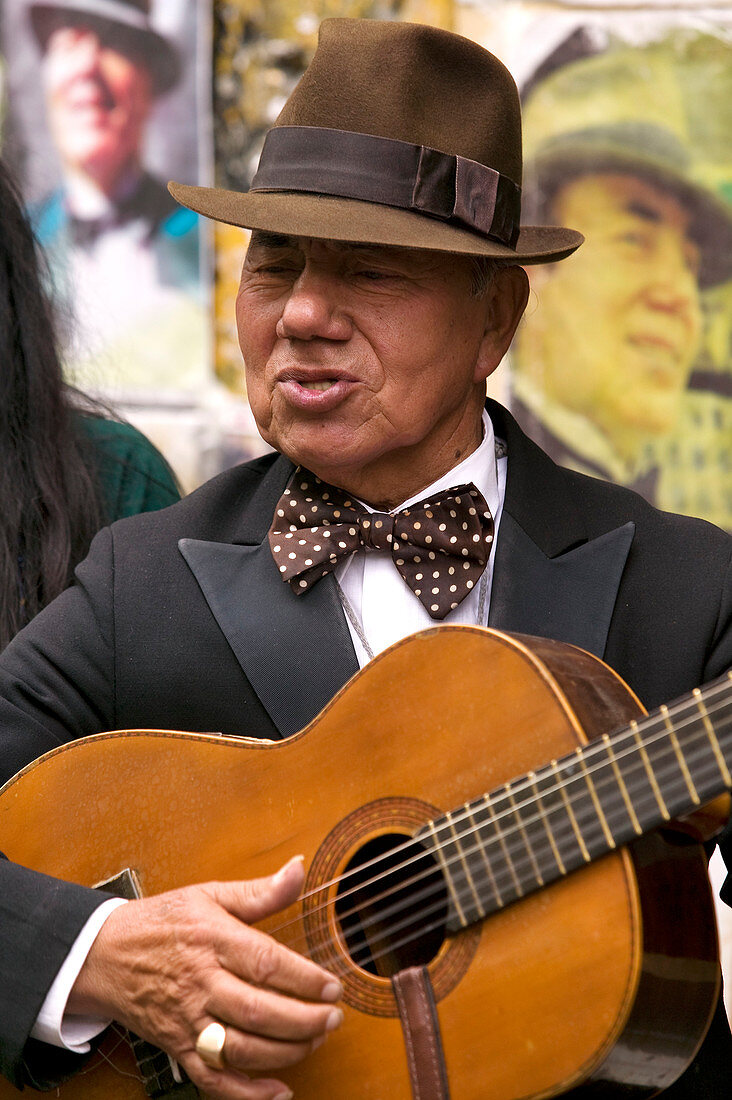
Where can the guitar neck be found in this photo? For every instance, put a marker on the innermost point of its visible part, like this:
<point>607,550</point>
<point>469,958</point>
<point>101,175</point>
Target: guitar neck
<point>532,831</point>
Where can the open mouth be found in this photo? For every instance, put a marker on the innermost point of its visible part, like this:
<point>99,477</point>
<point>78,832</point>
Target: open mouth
<point>319,386</point>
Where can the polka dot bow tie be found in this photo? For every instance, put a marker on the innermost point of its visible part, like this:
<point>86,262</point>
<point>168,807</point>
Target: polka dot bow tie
<point>440,546</point>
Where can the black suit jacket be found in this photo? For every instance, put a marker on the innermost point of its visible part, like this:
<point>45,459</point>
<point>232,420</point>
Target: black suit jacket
<point>179,619</point>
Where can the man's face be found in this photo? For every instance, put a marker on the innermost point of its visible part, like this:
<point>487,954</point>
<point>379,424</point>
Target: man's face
<point>98,102</point>
<point>615,331</point>
<point>363,363</point>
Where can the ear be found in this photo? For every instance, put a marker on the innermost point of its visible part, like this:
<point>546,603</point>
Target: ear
<point>506,299</point>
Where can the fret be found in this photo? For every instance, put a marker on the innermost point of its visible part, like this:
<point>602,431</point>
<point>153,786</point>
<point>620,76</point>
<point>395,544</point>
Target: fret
<point>570,812</point>
<point>546,823</point>
<point>621,785</point>
<point>723,770</point>
<point>438,852</point>
<point>523,826</point>
<point>680,756</point>
<point>457,836</point>
<point>480,849</point>
<point>596,802</point>
<point>504,847</point>
<point>649,771</point>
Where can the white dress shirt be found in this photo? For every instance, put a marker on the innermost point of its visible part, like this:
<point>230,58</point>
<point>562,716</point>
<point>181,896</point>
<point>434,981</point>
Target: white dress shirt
<point>380,610</point>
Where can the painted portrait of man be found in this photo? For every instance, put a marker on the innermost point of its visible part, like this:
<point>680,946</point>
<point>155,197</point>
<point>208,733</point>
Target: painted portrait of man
<point>122,253</point>
<point>612,344</point>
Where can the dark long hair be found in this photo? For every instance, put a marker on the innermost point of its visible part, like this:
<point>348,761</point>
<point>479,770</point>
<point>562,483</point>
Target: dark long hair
<point>50,505</point>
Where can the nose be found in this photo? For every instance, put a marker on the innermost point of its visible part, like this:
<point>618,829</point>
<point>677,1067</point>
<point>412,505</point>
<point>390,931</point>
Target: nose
<point>315,308</point>
<point>675,287</point>
<point>87,49</point>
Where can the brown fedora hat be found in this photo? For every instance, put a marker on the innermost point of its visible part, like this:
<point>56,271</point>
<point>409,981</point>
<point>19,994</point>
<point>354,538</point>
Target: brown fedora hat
<point>397,134</point>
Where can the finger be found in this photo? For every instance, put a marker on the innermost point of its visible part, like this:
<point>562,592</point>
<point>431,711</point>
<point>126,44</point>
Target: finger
<point>252,900</point>
<point>227,1084</point>
<point>260,1011</point>
<point>257,958</point>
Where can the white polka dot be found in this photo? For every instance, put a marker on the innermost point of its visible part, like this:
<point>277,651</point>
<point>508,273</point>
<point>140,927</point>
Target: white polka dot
<point>435,591</point>
<point>277,549</point>
<point>453,588</point>
<point>292,556</point>
<point>468,584</point>
<point>435,607</point>
<point>308,561</point>
<point>283,569</point>
<point>303,584</point>
<point>418,576</point>
<point>436,573</point>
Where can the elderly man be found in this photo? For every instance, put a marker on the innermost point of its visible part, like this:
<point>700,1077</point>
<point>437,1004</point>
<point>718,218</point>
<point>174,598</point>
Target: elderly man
<point>382,286</point>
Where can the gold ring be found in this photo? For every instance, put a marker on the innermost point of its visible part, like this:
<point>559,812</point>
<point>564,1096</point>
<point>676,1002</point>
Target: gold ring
<point>210,1045</point>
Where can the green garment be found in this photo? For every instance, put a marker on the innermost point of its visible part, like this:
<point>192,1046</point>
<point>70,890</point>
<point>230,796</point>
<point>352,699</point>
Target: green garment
<point>132,473</point>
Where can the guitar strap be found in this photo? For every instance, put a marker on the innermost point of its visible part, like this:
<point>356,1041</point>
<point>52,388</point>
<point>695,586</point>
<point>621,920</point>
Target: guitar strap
<point>421,1026</point>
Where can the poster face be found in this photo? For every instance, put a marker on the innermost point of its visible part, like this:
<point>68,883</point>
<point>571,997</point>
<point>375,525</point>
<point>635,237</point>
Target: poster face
<point>622,367</point>
<point>103,107</point>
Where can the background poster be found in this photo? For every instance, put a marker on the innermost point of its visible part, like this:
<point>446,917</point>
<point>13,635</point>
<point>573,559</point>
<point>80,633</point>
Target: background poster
<point>103,105</point>
<point>623,366</point>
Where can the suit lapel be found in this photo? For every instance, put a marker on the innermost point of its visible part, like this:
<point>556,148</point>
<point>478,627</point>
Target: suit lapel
<point>301,642</point>
<point>551,578</point>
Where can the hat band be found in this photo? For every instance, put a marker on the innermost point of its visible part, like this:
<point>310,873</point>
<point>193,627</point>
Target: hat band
<point>394,173</point>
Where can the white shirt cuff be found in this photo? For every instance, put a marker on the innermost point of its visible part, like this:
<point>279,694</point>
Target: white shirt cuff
<point>53,1024</point>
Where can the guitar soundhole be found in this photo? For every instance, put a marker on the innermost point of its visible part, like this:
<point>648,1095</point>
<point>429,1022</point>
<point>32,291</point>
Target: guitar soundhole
<point>392,906</point>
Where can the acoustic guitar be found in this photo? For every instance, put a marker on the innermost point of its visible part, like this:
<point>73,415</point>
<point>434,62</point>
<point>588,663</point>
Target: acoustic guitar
<point>495,809</point>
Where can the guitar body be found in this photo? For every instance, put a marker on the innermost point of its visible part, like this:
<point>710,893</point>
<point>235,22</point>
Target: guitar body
<point>608,976</point>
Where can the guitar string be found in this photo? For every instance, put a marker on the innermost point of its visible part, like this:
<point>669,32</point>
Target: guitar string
<point>510,811</point>
<point>569,759</point>
<point>438,907</point>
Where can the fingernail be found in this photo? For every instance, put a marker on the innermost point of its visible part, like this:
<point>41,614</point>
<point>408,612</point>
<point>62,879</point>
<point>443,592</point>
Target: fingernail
<point>332,991</point>
<point>286,1095</point>
<point>335,1019</point>
<point>283,870</point>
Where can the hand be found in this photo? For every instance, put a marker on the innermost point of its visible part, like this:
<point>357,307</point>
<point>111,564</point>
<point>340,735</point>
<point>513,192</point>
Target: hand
<point>168,965</point>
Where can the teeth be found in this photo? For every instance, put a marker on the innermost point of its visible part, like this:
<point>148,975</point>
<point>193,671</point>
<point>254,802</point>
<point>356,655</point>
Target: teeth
<point>325,385</point>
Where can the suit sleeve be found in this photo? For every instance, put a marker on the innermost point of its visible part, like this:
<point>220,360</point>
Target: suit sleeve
<point>56,684</point>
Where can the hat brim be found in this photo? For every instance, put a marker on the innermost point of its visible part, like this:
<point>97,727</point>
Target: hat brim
<point>301,214</point>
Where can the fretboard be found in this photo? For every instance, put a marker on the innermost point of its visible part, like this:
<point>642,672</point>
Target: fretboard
<point>532,831</point>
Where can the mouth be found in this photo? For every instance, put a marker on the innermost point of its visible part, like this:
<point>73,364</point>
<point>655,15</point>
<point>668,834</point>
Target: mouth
<point>315,393</point>
<point>319,386</point>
